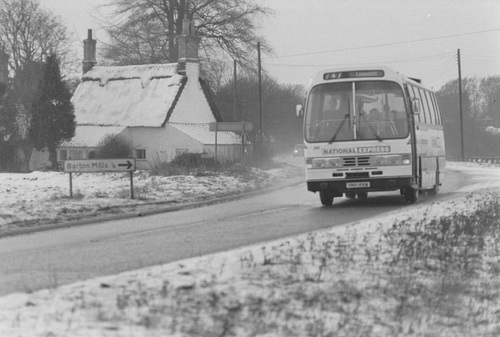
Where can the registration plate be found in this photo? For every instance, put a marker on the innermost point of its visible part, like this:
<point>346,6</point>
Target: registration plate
<point>358,184</point>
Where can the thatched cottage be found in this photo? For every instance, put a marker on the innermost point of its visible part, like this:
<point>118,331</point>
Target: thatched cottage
<point>162,109</point>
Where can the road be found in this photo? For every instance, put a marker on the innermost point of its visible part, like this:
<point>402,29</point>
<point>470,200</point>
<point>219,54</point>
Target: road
<point>56,257</point>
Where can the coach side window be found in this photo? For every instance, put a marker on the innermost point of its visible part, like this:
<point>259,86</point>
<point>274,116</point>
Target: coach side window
<point>430,108</point>
<point>436,108</point>
<point>421,115</point>
<point>425,108</point>
<point>413,95</point>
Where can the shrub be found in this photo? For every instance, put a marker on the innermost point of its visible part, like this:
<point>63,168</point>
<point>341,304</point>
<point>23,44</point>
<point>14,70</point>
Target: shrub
<point>165,169</point>
<point>113,146</point>
<point>194,161</point>
<point>191,163</point>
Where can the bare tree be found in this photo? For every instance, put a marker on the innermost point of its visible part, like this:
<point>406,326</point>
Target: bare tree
<point>138,40</point>
<point>490,104</point>
<point>146,29</point>
<point>480,116</point>
<point>28,33</point>
<point>278,100</point>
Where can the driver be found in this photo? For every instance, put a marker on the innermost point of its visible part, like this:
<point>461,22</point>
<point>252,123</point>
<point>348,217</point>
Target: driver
<point>333,111</point>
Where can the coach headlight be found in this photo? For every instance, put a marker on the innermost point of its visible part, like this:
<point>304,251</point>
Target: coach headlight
<point>390,160</point>
<point>333,162</point>
<point>377,161</point>
<point>318,163</point>
<point>394,160</point>
<point>406,159</point>
<point>324,163</point>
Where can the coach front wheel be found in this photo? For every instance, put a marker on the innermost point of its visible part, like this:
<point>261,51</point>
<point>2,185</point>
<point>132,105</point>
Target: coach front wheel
<point>326,197</point>
<point>411,194</point>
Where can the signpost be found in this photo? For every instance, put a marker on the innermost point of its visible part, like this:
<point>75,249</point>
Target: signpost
<point>100,165</point>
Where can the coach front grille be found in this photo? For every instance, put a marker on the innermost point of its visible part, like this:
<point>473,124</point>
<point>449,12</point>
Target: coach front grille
<point>355,161</point>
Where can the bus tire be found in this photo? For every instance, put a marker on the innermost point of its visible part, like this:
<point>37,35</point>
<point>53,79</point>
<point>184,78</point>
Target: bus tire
<point>326,198</point>
<point>411,195</point>
<point>350,195</point>
<point>362,195</point>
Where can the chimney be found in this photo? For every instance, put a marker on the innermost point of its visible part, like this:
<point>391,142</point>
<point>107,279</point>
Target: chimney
<point>89,60</point>
<point>187,46</point>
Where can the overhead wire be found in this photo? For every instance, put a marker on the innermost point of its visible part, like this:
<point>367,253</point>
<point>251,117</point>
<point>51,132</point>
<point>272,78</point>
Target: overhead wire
<point>386,44</point>
<point>480,61</point>
<point>438,73</point>
<point>363,63</point>
<point>483,57</point>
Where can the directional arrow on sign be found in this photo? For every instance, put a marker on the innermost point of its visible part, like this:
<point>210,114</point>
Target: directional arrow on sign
<point>128,165</point>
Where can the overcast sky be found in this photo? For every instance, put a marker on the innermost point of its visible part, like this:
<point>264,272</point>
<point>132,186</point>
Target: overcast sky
<point>418,38</point>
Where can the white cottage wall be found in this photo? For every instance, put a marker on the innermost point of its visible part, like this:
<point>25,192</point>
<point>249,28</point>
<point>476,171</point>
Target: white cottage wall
<point>160,143</point>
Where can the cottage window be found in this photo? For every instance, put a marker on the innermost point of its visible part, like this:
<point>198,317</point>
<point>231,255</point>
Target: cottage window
<point>181,150</point>
<point>63,154</point>
<point>76,154</point>
<point>140,153</point>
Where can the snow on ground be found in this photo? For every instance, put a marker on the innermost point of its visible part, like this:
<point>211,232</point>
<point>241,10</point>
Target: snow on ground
<point>288,287</point>
<point>38,198</point>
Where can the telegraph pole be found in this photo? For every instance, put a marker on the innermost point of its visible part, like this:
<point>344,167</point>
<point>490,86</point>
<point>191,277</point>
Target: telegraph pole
<point>260,91</point>
<point>234,92</point>
<point>462,153</point>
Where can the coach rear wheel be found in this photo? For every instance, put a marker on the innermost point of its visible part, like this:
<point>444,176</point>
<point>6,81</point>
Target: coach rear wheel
<point>326,198</point>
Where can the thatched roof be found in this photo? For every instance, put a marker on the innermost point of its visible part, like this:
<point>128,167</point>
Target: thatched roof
<point>89,135</point>
<point>141,95</point>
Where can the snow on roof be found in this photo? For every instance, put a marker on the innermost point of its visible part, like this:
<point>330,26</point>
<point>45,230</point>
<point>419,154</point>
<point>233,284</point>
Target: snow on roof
<point>201,133</point>
<point>89,135</point>
<point>145,72</point>
<point>139,95</point>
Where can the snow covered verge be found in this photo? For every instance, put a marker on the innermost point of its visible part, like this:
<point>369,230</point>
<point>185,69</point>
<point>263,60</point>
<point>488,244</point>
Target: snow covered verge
<point>432,270</point>
<point>42,198</point>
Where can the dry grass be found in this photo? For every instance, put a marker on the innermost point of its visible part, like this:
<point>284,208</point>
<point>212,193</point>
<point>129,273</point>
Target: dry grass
<point>432,277</point>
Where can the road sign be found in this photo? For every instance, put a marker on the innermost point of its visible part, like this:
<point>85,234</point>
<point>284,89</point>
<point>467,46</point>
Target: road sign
<point>99,165</point>
<point>231,126</point>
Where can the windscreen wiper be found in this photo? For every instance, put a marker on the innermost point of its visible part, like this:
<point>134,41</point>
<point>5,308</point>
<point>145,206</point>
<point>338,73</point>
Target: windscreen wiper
<point>372,129</point>
<point>346,117</point>
<point>375,133</point>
